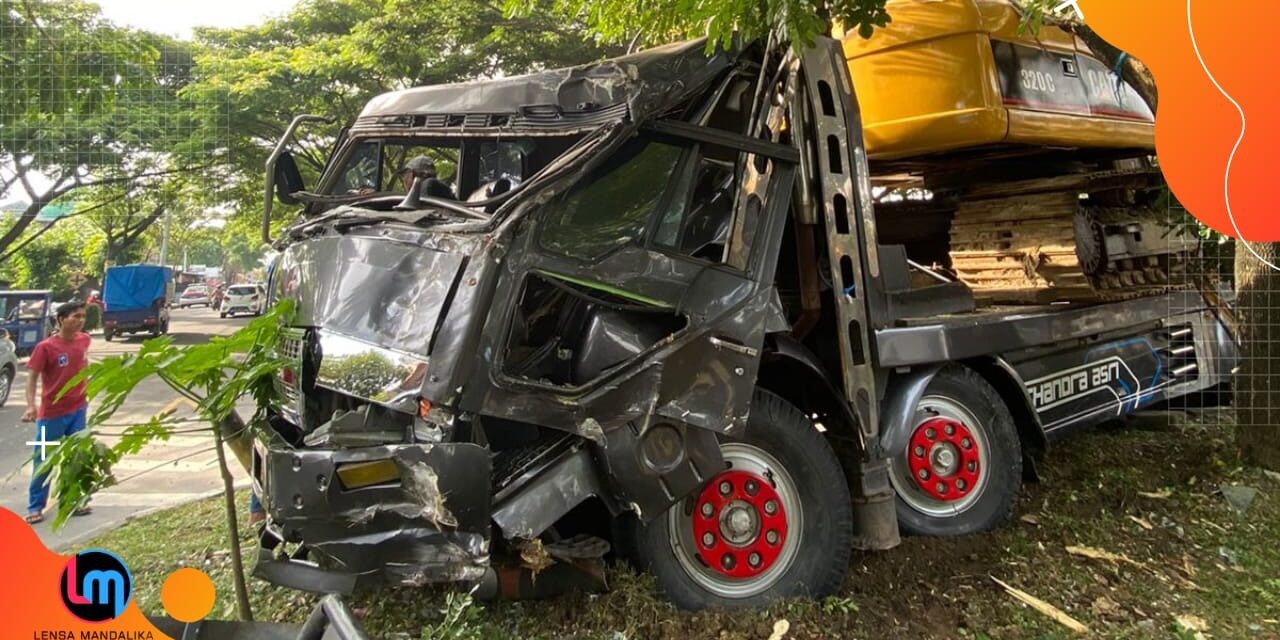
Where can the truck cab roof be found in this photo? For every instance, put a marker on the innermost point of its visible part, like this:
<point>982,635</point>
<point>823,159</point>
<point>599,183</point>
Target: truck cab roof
<point>631,87</point>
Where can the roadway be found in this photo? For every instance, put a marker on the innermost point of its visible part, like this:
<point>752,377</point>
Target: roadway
<point>161,475</point>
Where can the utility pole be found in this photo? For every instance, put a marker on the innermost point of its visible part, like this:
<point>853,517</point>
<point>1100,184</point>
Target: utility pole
<point>164,240</point>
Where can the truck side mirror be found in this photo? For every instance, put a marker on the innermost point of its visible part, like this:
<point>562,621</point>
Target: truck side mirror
<point>288,179</point>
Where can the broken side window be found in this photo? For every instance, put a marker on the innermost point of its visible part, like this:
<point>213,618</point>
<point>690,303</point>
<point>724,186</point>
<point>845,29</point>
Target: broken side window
<point>698,223</point>
<point>612,206</point>
<point>360,173</point>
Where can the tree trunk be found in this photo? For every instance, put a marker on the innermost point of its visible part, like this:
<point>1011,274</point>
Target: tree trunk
<point>233,531</point>
<point>1131,69</point>
<point>1257,383</point>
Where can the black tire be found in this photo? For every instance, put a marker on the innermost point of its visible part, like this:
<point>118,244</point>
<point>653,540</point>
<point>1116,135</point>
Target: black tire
<point>6,384</point>
<point>222,314</point>
<point>811,564</point>
<point>107,335</point>
<point>958,395</point>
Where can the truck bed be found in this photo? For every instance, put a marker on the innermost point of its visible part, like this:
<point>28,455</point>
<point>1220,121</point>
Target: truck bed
<point>1000,329</point>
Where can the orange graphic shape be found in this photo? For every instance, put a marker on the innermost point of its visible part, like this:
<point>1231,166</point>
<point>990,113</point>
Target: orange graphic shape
<point>187,595</point>
<point>1196,125</point>
<point>30,600</point>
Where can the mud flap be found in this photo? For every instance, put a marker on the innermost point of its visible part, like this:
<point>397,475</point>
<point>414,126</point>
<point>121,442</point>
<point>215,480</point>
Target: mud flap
<point>653,468</point>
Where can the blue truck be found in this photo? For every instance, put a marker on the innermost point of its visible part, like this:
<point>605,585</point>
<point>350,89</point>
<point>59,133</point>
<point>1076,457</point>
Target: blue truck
<point>135,299</point>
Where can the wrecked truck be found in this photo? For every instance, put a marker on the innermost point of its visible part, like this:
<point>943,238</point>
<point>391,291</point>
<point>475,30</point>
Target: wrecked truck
<point>645,301</point>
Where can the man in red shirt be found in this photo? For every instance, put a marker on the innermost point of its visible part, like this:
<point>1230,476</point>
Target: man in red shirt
<point>54,362</point>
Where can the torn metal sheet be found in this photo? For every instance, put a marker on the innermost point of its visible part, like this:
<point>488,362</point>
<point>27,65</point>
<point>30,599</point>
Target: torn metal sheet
<point>368,291</point>
<point>546,493</point>
<point>429,525</point>
<point>645,83</point>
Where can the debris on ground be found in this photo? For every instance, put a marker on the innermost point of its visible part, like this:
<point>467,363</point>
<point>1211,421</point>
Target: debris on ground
<point>1099,554</point>
<point>1192,624</point>
<point>1238,496</point>
<point>780,629</point>
<point>1162,494</point>
<point>534,557</point>
<point>1107,607</point>
<point>1147,526</point>
<point>1228,556</point>
<point>1047,609</point>
<point>1086,502</point>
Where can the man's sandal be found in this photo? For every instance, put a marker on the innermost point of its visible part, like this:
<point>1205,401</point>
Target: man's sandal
<point>82,511</point>
<point>35,517</point>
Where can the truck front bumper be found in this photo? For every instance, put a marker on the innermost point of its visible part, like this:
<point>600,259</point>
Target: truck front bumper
<point>429,523</point>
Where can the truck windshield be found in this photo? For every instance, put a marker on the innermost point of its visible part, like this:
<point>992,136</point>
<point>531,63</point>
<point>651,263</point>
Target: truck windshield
<point>466,170</point>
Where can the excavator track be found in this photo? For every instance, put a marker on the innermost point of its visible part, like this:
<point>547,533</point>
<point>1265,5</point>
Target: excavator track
<point>1039,241</point>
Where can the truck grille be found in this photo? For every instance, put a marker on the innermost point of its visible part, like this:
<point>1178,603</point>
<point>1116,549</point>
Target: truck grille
<point>289,379</point>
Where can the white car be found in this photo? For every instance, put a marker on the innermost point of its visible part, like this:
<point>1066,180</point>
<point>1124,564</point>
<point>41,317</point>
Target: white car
<point>194,295</point>
<point>8,366</point>
<point>243,298</point>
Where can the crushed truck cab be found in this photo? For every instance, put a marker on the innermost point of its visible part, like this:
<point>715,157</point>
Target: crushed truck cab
<point>643,305</point>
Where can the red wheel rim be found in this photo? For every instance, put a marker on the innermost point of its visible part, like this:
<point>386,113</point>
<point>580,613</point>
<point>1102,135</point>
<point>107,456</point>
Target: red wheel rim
<point>739,524</point>
<point>944,460</point>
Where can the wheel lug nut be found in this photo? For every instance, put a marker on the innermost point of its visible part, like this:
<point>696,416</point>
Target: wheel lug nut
<point>708,539</point>
<point>754,559</point>
<point>930,434</point>
<point>942,488</point>
<point>771,537</point>
<point>752,487</point>
<point>725,487</point>
<point>973,466</point>
<point>960,484</point>
<point>727,562</point>
<point>924,474</point>
<point>707,509</point>
<point>950,429</point>
<point>919,452</point>
<point>966,443</point>
<point>770,507</point>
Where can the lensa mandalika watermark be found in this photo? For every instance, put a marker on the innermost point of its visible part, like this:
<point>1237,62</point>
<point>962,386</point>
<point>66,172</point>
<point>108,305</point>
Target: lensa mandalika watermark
<point>95,586</point>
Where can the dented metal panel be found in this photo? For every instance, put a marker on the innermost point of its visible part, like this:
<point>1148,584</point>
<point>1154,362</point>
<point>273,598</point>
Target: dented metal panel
<point>380,292</point>
<point>648,83</point>
<point>431,525</point>
<point>401,307</point>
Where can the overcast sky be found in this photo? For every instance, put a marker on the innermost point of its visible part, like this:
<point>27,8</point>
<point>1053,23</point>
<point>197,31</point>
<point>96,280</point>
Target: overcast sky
<point>177,17</point>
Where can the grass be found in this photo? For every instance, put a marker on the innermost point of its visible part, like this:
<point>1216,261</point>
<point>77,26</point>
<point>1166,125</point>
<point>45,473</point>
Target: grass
<point>1199,558</point>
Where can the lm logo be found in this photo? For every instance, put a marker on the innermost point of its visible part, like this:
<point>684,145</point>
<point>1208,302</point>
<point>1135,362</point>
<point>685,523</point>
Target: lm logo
<point>96,586</point>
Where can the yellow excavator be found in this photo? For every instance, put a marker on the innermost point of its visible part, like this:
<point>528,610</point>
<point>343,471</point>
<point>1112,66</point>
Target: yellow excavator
<point>1012,157</point>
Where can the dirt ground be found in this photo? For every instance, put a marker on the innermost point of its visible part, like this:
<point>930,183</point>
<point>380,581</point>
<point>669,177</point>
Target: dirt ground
<point>1157,551</point>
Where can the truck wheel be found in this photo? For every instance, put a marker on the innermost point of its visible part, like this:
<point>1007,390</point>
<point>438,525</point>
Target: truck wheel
<point>107,335</point>
<point>776,523</point>
<point>6,384</point>
<point>962,468</point>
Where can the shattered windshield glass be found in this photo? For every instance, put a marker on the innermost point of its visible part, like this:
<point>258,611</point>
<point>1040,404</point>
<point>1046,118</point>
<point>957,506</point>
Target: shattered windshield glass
<point>464,170</point>
<point>379,166</point>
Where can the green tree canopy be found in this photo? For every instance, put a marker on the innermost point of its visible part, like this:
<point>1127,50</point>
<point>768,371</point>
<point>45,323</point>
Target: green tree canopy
<point>669,20</point>
<point>86,103</point>
<point>331,56</point>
